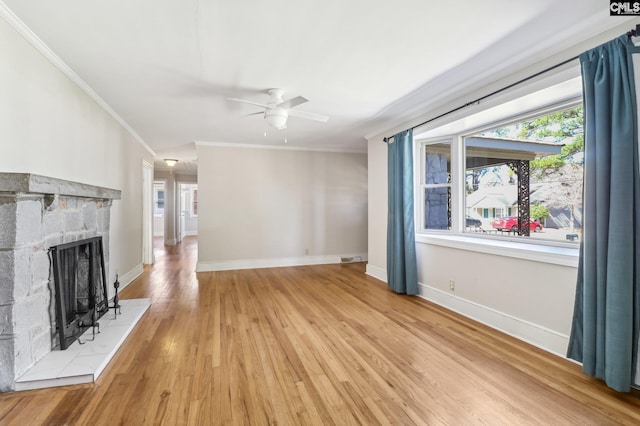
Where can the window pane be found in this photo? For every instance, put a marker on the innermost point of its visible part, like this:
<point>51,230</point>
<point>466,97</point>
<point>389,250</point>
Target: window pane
<point>529,168</point>
<point>437,163</point>
<point>160,205</point>
<point>194,205</point>
<point>437,208</point>
<point>158,198</point>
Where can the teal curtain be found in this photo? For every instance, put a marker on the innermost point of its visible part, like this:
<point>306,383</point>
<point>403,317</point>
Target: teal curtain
<point>402,275</point>
<point>606,317</point>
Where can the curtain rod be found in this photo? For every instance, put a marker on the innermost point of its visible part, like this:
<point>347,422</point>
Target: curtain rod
<point>495,92</point>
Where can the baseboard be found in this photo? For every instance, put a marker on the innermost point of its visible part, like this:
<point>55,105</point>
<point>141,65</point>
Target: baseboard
<point>534,334</point>
<point>376,272</point>
<point>190,233</point>
<point>228,265</point>
<point>128,277</point>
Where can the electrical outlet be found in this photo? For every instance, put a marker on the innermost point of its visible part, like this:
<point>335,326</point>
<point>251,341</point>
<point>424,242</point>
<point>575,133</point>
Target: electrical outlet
<point>306,251</point>
<point>452,285</point>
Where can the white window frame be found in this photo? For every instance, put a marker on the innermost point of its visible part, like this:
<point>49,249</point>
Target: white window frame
<point>156,190</point>
<point>422,186</point>
<point>547,251</point>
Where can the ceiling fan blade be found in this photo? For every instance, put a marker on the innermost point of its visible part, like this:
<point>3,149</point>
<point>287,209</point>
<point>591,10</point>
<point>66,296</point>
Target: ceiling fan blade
<point>248,102</point>
<point>254,113</point>
<point>290,103</point>
<point>308,115</point>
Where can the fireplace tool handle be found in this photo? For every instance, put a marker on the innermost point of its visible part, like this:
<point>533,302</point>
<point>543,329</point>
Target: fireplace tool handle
<point>116,299</point>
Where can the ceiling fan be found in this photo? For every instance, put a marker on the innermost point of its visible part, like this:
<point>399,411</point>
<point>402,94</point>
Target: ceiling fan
<point>276,110</point>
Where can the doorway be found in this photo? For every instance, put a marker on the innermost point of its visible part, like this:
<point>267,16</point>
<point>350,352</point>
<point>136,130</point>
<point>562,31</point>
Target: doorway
<point>159,192</point>
<point>188,210</point>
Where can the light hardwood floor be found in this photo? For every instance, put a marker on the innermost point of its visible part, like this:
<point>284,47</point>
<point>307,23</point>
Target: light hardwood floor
<point>314,345</point>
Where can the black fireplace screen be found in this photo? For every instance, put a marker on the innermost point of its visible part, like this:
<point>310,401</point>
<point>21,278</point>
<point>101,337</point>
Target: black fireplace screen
<point>80,286</point>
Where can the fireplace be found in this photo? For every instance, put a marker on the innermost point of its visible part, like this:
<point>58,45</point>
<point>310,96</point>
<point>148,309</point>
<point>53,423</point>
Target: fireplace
<point>36,214</point>
<point>80,288</point>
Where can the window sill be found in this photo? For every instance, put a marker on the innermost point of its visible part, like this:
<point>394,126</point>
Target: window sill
<point>543,253</point>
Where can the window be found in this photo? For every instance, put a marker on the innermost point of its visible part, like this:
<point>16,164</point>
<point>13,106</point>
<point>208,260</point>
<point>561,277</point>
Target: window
<point>194,202</point>
<point>158,198</point>
<point>436,185</point>
<point>522,179</point>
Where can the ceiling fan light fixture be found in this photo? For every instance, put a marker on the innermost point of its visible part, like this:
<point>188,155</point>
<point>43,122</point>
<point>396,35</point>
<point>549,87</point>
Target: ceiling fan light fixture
<point>276,111</point>
<point>276,117</point>
<point>170,162</point>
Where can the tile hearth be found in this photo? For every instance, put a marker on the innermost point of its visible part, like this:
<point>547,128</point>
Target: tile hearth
<point>84,363</point>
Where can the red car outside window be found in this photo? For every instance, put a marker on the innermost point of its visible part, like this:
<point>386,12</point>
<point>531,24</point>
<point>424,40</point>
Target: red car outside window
<point>511,224</point>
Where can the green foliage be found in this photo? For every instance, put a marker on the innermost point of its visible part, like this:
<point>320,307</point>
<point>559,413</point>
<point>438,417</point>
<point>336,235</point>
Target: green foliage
<point>574,147</point>
<point>549,162</point>
<point>555,127</point>
<point>538,211</point>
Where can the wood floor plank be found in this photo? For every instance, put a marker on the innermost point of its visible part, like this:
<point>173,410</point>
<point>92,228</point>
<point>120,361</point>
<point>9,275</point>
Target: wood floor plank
<point>314,345</point>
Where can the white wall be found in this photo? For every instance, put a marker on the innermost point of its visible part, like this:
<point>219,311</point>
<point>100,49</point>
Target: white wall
<point>49,126</point>
<point>272,207</point>
<point>377,209</point>
<point>528,299</point>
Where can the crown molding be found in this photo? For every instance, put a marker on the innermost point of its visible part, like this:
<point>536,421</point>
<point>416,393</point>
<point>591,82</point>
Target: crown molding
<point>22,29</point>
<point>280,147</point>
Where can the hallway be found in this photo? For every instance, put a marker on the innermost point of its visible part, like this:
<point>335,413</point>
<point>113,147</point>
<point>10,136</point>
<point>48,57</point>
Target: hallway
<point>172,273</point>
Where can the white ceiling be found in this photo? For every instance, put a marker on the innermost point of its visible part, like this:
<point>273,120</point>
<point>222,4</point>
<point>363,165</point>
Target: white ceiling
<point>167,67</point>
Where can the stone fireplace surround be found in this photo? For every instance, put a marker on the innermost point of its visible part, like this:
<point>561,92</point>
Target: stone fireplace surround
<point>36,213</point>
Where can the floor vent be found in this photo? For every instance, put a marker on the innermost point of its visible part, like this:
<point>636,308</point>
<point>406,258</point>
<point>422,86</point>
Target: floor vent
<point>350,259</point>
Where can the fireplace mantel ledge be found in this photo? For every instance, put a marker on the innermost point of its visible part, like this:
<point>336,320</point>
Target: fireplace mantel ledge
<point>28,183</point>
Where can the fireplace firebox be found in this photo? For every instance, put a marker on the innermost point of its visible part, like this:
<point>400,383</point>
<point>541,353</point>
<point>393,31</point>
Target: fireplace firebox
<point>80,288</point>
